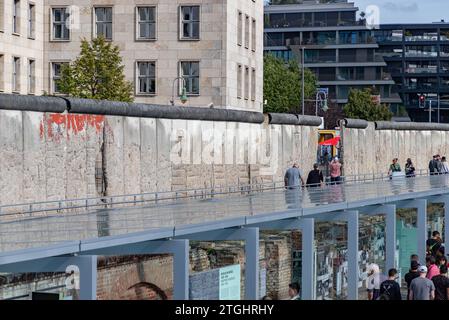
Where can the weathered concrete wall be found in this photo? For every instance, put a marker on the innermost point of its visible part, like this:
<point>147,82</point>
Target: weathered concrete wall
<point>47,156</point>
<point>371,151</point>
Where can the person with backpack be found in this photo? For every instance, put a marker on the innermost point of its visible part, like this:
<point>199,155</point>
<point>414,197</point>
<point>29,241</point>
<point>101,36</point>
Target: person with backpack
<point>409,169</point>
<point>315,178</point>
<point>389,289</point>
<point>441,283</point>
<point>434,243</point>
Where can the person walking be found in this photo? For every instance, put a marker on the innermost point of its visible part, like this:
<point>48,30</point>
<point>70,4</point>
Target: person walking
<point>422,288</point>
<point>433,166</point>
<point>293,291</point>
<point>439,164</point>
<point>441,283</point>
<point>315,177</point>
<point>433,244</point>
<point>409,168</point>
<point>412,274</point>
<point>335,171</point>
<point>445,166</point>
<point>394,167</point>
<point>373,281</point>
<point>432,267</point>
<point>389,289</point>
<point>292,177</point>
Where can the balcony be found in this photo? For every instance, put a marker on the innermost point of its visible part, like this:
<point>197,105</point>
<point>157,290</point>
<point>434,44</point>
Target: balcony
<point>432,37</point>
<point>423,69</point>
<point>421,54</point>
<point>421,86</point>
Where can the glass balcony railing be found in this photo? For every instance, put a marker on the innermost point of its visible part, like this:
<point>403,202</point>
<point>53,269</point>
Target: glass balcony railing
<point>418,54</point>
<point>420,86</point>
<point>428,37</point>
<point>427,69</point>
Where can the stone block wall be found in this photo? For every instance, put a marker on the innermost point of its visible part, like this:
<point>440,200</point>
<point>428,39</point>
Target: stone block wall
<point>49,156</point>
<point>368,151</point>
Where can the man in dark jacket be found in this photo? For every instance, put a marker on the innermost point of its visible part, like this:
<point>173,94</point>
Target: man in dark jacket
<point>389,289</point>
<point>315,177</point>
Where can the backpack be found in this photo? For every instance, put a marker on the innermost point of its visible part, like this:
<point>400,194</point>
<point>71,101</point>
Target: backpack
<point>386,294</point>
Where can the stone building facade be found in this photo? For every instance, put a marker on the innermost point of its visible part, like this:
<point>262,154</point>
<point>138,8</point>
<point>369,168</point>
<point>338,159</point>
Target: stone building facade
<point>215,45</point>
<point>21,46</point>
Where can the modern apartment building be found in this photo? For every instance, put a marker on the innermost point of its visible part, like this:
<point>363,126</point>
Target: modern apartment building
<point>402,61</point>
<point>418,59</point>
<point>215,46</point>
<point>338,48</point>
<point>21,46</point>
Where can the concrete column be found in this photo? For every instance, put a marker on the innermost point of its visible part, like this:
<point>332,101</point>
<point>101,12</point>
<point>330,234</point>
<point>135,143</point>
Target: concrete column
<point>88,277</point>
<point>308,267</point>
<point>252,264</point>
<point>181,270</point>
<point>353,254</point>
<point>390,219</point>
<point>422,229</point>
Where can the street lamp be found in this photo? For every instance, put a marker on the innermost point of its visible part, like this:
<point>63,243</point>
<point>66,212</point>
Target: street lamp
<point>183,96</point>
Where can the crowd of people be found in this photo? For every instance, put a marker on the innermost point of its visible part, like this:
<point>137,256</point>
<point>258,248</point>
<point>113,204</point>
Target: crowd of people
<point>293,177</point>
<point>427,281</point>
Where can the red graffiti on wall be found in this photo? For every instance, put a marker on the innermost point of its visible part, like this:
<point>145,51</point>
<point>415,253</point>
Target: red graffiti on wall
<point>55,124</point>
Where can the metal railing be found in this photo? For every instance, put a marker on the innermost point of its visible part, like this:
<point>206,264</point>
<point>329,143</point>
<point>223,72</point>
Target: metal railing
<point>109,202</point>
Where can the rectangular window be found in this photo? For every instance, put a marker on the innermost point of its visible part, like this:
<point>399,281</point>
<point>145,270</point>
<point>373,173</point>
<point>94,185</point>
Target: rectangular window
<point>146,77</point>
<point>146,23</point>
<point>253,84</point>
<point>31,76</point>
<point>31,20</point>
<point>56,76</point>
<point>103,22</point>
<point>190,71</point>
<point>190,22</point>
<point>60,18</point>
<point>2,13</point>
<point>239,81</point>
<point>2,72</point>
<point>16,16</point>
<point>246,83</point>
<point>246,32</point>
<point>253,35</point>
<point>15,74</point>
<point>239,28</point>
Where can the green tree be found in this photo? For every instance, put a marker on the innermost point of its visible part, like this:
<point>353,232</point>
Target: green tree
<point>97,73</point>
<point>361,106</point>
<point>282,85</point>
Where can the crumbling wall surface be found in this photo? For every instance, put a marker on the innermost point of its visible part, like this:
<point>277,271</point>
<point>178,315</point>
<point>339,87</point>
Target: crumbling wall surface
<point>57,156</point>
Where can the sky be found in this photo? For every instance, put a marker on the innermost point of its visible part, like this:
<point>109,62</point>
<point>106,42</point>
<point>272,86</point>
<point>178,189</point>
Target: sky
<point>408,11</point>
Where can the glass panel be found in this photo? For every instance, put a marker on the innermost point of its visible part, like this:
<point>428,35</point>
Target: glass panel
<point>186,13</point>
<point>99,14</point>
<point>152,31</point>
<point>185,66</point>
<point>108,14</point>
<point>186,30</point>
<point>57,15</point>
<point>108,31</point>
<point>143,14</point>
<point>196,13</point>
<point>196,30</point>
<point>195,69</point>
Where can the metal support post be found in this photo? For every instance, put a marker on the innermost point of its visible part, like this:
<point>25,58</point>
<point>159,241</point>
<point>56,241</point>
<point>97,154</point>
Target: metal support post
<point>87,266</point>
<point>308,268</point>
<point>390,245</point>
<point>353,254</point>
